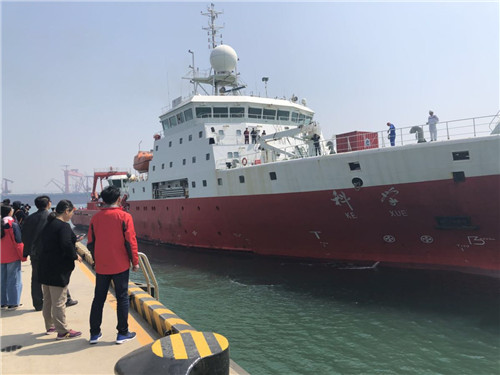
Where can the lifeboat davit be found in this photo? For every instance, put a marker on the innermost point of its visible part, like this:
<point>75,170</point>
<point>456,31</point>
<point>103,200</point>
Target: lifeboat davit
<point>141,161</point>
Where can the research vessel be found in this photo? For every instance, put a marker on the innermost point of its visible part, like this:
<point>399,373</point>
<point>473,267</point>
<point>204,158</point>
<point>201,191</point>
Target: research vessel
<point>250,174</point>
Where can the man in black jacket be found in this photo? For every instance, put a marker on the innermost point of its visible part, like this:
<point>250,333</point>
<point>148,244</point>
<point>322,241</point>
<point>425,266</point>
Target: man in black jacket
<point>32,227</point>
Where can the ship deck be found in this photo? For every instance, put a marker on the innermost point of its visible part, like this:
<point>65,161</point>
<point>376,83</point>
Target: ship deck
<point>26,349</point>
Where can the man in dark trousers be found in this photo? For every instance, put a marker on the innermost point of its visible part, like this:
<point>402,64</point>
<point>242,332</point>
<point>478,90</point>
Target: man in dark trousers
<point>31,230</point>
<point>246,134</point>
<point>113,244</point>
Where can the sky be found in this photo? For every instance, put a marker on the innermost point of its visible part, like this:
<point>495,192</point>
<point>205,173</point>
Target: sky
<point>84,83</point>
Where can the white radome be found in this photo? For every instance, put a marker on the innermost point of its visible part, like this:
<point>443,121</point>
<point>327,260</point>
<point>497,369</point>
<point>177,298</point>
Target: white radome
<point>223,58</point>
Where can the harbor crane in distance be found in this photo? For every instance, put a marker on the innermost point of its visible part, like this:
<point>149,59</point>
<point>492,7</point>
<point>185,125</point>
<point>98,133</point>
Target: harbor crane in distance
<point>5,186</point>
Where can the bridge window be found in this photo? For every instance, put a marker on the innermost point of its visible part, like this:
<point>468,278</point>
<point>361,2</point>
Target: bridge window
<point>173,121</point>
<point>220,112</point>
<point>295,117</point>
<point>269,114</point>
<point>254,112</point>
<point>203,112</point>
<point>188,114</point>
<point>237,112</point>
<point>283,115</point>
<point>180,118</point>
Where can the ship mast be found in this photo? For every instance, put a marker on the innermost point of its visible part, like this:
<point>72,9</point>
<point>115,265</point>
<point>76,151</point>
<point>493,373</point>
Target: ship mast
<point>223,59</point>
<point>212,28</point>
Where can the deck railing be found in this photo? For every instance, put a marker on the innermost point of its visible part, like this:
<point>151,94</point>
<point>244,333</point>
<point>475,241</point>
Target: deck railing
<point>446,130</point>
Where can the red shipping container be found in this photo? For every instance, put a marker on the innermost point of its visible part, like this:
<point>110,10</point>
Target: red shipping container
<point>355,141</point>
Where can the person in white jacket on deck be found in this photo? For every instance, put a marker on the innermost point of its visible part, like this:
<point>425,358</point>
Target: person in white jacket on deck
<point>432,121</point>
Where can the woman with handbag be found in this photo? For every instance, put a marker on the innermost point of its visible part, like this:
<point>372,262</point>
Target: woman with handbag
<point>56,263</point>
<point>11,258</point>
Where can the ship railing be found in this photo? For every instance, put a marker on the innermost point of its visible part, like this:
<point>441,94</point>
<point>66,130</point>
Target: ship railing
<point>408,135</point>
<point>446,130</point>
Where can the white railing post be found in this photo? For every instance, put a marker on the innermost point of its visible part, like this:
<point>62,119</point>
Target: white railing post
<point>447,131</point>
<point>474,125</point>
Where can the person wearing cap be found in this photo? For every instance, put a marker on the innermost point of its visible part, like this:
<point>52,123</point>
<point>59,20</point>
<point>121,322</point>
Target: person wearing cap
<point>19,213</point>
<point>391,133</point>
<point>432,122</point>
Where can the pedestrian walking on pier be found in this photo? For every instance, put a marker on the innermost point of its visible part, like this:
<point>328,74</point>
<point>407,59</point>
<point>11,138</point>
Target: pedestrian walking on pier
<point>56,263</point>
<point>432,122</point>
<point>391,133</point>
<point>113,245</point>
<point>11,257</point>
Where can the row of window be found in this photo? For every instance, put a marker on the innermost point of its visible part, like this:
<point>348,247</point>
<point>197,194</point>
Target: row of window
<point>184,162</point>
<point>236,112</point>
<point>272,177</point>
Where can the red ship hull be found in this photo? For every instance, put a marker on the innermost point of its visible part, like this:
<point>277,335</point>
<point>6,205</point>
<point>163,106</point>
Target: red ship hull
<point>438,224</point>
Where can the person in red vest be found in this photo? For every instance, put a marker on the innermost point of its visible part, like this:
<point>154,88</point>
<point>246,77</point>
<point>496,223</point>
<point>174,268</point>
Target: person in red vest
<point>11,257</point>
<point>113,245</point>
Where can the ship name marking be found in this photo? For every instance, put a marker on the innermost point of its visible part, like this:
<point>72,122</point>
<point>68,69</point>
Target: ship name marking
<point>478,241</point>
<point>389,195</point>
<point>341,199</point>
<point>398,213</point>
<point>316,233</point>
<point>350,215</point>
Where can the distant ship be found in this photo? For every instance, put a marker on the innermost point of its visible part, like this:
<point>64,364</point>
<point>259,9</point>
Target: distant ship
<point>255,175</point>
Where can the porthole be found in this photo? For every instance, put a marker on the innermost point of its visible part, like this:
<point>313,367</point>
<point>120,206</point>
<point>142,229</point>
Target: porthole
<point>357,182</point>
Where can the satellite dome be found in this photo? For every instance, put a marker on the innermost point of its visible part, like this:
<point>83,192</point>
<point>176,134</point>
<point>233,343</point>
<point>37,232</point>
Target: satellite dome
<point>223,58</point>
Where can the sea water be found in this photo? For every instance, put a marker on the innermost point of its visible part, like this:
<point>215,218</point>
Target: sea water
<point>297,318</point>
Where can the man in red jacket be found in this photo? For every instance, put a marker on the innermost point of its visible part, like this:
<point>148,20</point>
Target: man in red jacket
<point>113,244</point>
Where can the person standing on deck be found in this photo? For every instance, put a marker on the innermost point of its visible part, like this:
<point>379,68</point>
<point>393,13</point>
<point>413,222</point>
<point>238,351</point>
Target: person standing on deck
<point>247,135</point>
<point>391,133</point>
<point>432,122</point>
<point>113,245</point>
<point>253,133</point>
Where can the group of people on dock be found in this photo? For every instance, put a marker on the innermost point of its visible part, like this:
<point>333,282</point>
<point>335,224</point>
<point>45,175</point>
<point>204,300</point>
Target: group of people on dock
<point>49,241</point>
<point>432,121</point>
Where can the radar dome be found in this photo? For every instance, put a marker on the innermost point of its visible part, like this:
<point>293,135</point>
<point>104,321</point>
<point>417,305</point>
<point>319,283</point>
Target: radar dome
<point>223,58</point>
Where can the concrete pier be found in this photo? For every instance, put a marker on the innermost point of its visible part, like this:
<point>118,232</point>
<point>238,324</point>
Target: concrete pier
<point>26,349</point>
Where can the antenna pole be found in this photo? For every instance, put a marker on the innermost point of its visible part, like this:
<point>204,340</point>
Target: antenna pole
<point>212,28</point>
